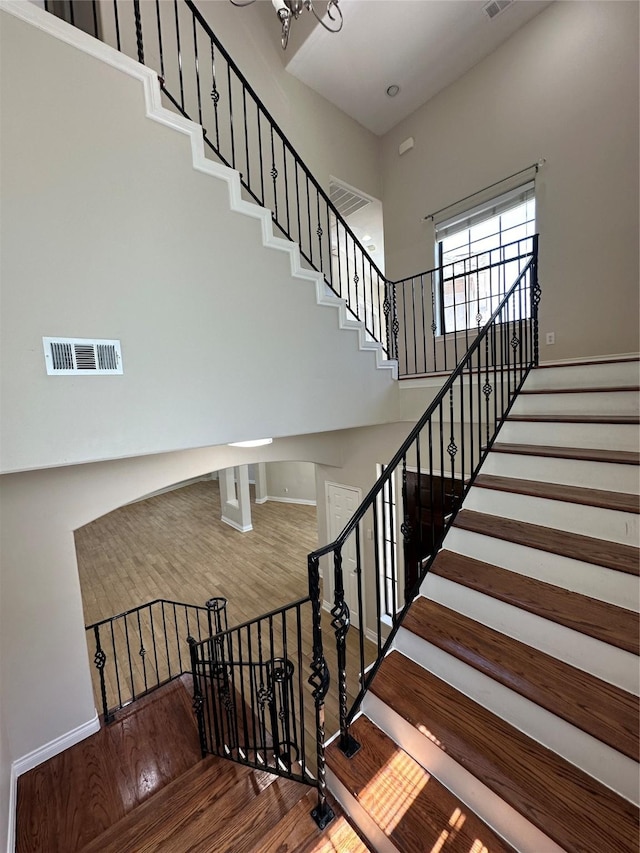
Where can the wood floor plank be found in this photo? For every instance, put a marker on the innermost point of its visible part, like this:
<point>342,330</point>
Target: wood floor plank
<point>74,797</point>
<point>619,501</point>
<point>603,710</point>
<point>599,552</point>
<point>597,619</point>
<point>620,457</point>
<point>578,812</point>
<point>408,805</point>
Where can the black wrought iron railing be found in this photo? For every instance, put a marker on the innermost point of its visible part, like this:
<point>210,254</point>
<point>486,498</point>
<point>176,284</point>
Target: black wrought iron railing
<point>141,649</point>
<point>424,321</point>
<point>395,534</point>
<point>259,692</point>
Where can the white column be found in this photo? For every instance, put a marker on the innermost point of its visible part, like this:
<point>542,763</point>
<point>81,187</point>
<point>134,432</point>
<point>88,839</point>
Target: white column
<point>235,502</point>
<point>261,482</point>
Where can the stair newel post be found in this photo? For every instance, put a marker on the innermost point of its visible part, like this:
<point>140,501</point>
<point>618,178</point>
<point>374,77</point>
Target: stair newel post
<point>340,623</point>
<point>536,293</point>
<point>319,681</point>
<point>100,659</point>
<point>198,698</point>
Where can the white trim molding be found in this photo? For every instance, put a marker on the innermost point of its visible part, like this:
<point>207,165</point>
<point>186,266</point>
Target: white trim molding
<point>301,501</point>
<point>239,527</point>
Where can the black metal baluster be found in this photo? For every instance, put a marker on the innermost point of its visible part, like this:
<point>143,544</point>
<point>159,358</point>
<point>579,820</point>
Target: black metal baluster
<point>197,71</point>
<point>319,231</point>
<point>166,639</point>
<point>180,73</point>
<point>100,660</point>
<point>155,649</point>
<point>126,632</point>
<point>261,157</point>
<point>160,49</point>
<point>413,317</point>
<point>254,695</point>
<point>231,122</point>
<point>319,681</point>
<point>376,562</point>
<point>198,699</point>
<point>286,189</point>
<point>115,661</point>
<point>243,698</point>
<point>142,652</point>
<point>434,325</point>
<point>406,528</point>
<point>361,626</point>
<point>301,702</point>
<point>94,7</point>
<point>138,20</point>
<point>215,97</point>
<point>175,622</point>
<point>536,293</point>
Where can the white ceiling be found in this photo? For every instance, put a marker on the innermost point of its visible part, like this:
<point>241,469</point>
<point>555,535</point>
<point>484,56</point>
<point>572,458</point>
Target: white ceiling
<point>420,45</point>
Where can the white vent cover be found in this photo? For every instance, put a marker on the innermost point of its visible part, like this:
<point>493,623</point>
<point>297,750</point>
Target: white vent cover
<point>494,7</point>
<point>81,357</point>
<point>346,200</point>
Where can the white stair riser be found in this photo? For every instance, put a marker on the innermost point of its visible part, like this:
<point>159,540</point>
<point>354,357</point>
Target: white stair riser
<point>604,584</point>
<point>596,403</point>
<point>601,375</point>
<point>506,821</point>
<point>613,769</point>
<point>606,662</point>
<point>608,524</point>
<point>359,816</point>
<point>554,434</point>
<point>608,476</point>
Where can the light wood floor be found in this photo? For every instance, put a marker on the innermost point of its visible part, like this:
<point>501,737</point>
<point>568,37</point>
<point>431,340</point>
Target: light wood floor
<point>174,546</point>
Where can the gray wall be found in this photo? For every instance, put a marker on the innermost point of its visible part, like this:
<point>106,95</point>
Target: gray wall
<point>109,232</point>
<point>565,88</point>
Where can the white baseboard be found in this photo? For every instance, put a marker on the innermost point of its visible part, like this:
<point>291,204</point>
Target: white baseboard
<point>261,500</point>
<point>239,527</point>
<point>560,362</point>
<point>36,757</point>
<point>301,501</point>
<point>54,747</point>
<point>13,804</point>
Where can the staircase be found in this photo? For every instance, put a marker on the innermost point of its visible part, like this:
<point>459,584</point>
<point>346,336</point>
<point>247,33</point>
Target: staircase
<point>506,714</point>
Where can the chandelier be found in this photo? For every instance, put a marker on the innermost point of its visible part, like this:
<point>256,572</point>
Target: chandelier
<point>288,9</point>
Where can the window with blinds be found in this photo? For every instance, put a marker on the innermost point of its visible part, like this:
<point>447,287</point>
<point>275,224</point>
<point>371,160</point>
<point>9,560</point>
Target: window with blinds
<point>470,244</point>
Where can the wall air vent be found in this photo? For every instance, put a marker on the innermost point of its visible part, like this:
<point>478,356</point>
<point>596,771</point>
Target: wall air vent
<point>81,357</point>
<point>494,7</point>
<point>346,200</point>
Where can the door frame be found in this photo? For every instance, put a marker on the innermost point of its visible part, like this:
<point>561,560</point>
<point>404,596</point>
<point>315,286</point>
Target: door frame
<point>327,573</point>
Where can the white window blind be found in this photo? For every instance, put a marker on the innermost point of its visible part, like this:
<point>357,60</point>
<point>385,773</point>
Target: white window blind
<point>486,210</point>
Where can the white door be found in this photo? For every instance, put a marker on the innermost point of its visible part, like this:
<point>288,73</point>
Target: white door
<point>342,502</point>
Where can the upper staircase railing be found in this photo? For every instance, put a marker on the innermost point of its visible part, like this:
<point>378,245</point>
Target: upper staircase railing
<point>424,321</point>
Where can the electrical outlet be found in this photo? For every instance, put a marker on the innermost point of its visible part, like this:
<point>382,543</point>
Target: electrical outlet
<point>551,337</point>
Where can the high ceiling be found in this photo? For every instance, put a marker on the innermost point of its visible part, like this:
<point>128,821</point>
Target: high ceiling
<point>419,45</point>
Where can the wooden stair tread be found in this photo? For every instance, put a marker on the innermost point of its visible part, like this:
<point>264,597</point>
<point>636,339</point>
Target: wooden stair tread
<point>577,811</point>
<point>595,389</point>
<point>602,710</point>
<point>240,825</point>
<point>338,837</point>
<point>620,457</point>
<point>619,501</point>
<point>599,552</point>
<point>411,807</point>
<point>298,832</point>
<point>198,788</point>
<point>577,419</point>
<point>597,619</point>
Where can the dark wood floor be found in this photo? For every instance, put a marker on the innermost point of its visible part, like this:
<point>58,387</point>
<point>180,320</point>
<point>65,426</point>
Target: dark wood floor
<point>69,800</point>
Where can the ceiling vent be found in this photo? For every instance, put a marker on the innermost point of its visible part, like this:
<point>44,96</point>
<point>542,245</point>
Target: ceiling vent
<point>81,357</point>
<point>346,200</point>
<point>494,7</point>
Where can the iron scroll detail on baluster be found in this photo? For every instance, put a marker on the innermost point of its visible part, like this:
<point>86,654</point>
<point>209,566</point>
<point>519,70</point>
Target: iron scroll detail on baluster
<point>340,622</point>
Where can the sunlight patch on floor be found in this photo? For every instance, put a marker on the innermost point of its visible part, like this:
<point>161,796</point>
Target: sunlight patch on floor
<point>394,789</point>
